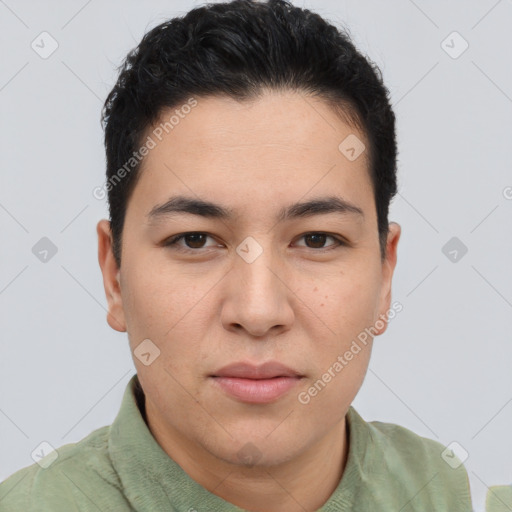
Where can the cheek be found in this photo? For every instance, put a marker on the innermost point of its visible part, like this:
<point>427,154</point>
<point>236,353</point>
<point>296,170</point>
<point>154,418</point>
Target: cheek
<point>149,303</point>
<point>169,309</point>
<point>340,362</point>
<point>139,301</point>
<point>348,304</point>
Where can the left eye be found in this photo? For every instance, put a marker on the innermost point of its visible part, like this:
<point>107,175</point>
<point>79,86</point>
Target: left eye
<point>319,239</point>
<point>195,241</point>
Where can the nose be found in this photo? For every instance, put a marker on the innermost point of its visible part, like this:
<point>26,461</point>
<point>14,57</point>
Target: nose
<point>258,296</point>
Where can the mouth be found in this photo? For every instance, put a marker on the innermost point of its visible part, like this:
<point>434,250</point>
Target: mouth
<point>256,384</point>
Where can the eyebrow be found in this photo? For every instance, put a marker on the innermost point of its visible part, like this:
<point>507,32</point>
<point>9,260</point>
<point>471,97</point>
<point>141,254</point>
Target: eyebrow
<point>187,205</point>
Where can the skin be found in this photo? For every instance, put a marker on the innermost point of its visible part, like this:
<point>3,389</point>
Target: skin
<point>301,302</point>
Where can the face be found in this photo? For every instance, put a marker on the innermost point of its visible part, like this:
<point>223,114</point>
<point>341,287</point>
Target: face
<point>280,293</point>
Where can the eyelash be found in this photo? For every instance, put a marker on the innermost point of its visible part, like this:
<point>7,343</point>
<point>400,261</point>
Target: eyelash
<point>173,241</point>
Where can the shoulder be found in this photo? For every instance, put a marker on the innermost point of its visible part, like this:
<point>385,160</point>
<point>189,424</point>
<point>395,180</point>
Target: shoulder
<point>76,473</point>
<point>412,449</point>
<point>418,469</point>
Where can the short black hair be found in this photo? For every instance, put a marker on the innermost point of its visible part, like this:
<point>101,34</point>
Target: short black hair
<point>239,49</point>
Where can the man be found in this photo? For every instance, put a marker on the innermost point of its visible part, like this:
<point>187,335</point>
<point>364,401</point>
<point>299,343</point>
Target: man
<point>251,160</point>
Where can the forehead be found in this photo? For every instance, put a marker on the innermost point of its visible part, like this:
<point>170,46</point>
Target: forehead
<point>279,118</point>
<point>279,148</point>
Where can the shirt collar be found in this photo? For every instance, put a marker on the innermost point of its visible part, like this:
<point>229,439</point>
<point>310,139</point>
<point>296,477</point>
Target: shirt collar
<point>151,480</point>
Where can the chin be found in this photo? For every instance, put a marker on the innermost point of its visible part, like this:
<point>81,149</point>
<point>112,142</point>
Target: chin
<point>257,452</point>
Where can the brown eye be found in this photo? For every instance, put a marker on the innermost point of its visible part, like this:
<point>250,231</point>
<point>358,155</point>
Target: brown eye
<point>195,240</point>
<point>317,241</point>
<point>192,241</point>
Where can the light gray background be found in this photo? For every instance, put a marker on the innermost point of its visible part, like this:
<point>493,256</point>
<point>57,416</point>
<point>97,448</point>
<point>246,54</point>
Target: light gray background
<point>442,369</point>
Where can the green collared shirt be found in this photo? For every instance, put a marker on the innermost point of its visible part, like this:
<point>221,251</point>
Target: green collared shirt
<point>122,468</point>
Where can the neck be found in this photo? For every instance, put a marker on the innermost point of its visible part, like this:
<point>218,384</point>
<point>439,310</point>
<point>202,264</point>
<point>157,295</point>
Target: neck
<point>302,484</point>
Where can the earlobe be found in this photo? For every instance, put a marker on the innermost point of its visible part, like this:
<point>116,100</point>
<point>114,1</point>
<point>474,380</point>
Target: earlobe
<point>388,268</point>
<point>111,281</point>
<point>392,244</point>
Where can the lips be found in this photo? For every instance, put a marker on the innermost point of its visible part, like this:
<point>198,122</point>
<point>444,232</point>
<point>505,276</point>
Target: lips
<point>256,384</point>
<point>267,370</point>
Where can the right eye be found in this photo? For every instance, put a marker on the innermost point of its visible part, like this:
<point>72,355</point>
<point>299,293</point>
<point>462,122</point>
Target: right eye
<point>193,239</point>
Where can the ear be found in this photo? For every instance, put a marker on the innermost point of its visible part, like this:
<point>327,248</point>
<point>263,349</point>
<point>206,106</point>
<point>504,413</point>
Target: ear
<point>388,268</point>
<point>111,272</point>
